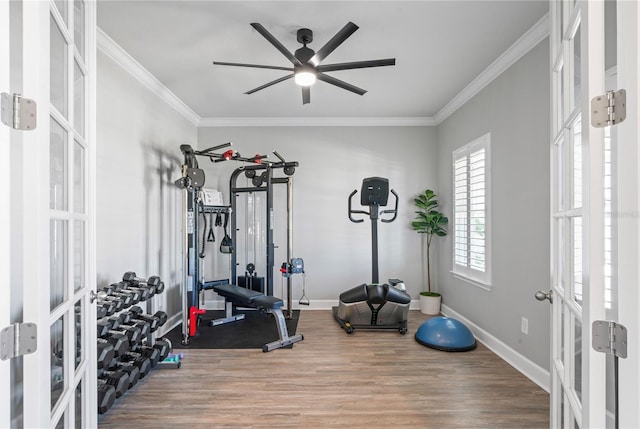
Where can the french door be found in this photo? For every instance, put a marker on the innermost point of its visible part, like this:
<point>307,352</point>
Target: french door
<point>595,222</point>
<point>48,180</point>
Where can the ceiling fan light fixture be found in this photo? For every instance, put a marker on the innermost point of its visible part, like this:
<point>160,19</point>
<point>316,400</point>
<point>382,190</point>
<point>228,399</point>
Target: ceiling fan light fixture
<point>305,75</point>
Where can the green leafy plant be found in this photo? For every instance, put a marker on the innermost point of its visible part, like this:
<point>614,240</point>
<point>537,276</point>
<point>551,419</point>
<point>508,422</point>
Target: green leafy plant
<point>431,222</point>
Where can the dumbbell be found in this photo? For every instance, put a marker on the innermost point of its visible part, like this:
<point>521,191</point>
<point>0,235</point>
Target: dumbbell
<point>153,281</point>
<point>132,333</point>
<point>143,292</point>
<point>132,370</point>
<point>155,321</point>
<point>119,305</point>
<point>109,307</point>
<point>164,347</point>
<point>106,396</point>
<point>118,291</point>
<point>150,353</point>
<point>118,379</point>
<point>136,359</point>
<point>106,353</point>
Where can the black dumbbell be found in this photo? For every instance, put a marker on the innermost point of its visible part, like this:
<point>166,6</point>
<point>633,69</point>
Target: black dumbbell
<point>100,312</point>
<point>109,307</point>
<point>119,342</point>
<point>160,315</point>
<point>150,353</point>
<point>136,359</point>
<point>151,320</point>
<point>106,396</point>
<point>118,290</point>
<point>132,370</point>
<point>153,281</point>
<point>131,332</point>
<point>164,347</point>
<point>140,324</point>
<point>106,353</point>
<point>144,292</point>
<point>119,305</point>
<point>118,379</point>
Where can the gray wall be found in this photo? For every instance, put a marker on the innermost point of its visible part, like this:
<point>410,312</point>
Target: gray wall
<point>333,162</point>
<point>138,158</point>
<point>514,108</point>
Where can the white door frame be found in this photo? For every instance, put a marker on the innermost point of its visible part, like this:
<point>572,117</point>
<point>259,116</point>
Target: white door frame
<point>5,195</point>
<point>628,131</point>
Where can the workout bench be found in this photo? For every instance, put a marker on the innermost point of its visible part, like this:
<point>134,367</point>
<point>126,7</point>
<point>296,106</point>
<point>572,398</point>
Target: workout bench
<point>239,296</point>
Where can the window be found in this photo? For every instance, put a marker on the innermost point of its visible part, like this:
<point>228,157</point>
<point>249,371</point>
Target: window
<point>471,241</point>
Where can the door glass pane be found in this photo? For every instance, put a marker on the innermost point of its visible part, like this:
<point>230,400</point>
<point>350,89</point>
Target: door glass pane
<point>78,23</point>
<point>560,170</point>
<point>79,405</point>
<point>77,329</point>
<point>577,73</point>
<point>78,178</point>
<point>576,191</point>
<point>576,257</point>
<point>58,66</point>
<point>78,254</point>
<point>58,167</point>
<point>57,360</point>
<point>58,264</point>
<point>78,99</point>
<point>577,361</point>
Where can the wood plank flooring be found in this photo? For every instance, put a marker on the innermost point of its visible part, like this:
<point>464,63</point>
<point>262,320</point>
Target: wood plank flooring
<point>371,379</point>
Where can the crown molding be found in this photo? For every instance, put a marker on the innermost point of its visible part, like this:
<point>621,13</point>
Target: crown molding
<point>524,44</point>
<point>319,122</point>
<point>127,62</point>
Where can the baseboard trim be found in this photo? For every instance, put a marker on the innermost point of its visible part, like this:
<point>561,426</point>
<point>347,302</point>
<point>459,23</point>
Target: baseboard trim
<point>532,371</point>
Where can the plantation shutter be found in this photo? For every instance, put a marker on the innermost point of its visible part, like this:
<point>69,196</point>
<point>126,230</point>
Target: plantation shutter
<point>470,195</point>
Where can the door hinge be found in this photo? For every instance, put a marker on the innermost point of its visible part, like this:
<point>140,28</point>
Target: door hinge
<point>609,337</point>
<point>18,113</point>
<point>609,109</point>
<point>18,339</point>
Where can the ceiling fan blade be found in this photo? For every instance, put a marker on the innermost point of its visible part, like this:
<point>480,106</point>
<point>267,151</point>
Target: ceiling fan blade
<point>341,84</point>
<point>279,46</point>
<point>258,66</point>
<point>266,85</point>
<point>332,44</point>
<point>356,65</point>
<point>306,95</point>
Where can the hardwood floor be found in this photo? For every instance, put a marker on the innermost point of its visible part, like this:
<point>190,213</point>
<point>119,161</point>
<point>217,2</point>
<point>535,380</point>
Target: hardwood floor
<point>370,379</point>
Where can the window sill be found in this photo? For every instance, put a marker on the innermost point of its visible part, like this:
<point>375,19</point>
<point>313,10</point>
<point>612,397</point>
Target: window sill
<point>474,282</point>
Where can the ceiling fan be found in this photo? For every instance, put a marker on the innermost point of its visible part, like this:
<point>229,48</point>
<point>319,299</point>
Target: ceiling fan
<point>306,62</point>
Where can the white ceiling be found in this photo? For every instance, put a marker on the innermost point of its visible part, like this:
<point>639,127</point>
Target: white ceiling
<point>439,46</point>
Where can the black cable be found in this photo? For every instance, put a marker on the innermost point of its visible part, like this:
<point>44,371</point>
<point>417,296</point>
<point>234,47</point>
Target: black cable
<point>204,236</point>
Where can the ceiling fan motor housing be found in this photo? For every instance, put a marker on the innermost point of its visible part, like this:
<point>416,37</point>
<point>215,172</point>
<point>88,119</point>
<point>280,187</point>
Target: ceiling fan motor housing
<point>304,54</point>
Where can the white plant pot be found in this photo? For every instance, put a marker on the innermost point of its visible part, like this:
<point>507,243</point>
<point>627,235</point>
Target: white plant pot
<point>430,304</point>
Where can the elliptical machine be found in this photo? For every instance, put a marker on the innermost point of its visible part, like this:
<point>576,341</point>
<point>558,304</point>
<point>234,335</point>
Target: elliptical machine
<point>374,306</point>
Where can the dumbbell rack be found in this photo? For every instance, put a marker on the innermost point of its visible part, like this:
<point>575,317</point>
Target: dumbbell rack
<point>127,347</point>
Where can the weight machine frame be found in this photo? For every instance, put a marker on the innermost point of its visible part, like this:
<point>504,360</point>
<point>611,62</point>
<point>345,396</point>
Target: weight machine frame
<point>191,183</point>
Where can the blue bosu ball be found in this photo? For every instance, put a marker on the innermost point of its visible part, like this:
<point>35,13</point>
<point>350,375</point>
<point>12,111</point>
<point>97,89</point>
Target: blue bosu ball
<point>447,334</point>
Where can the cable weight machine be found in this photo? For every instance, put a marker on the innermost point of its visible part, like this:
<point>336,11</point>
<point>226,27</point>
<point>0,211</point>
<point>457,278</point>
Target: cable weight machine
<point>192,182</point>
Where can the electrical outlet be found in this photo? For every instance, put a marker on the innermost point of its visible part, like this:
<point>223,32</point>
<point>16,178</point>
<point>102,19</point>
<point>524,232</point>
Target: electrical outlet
<point>524,327</point>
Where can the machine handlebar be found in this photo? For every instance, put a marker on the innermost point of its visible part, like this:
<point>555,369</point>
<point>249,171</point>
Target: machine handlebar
<point>394,210</point>
<point>351,211</point>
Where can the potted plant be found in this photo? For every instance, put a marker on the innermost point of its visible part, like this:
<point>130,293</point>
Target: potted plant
<point>431,222</point>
